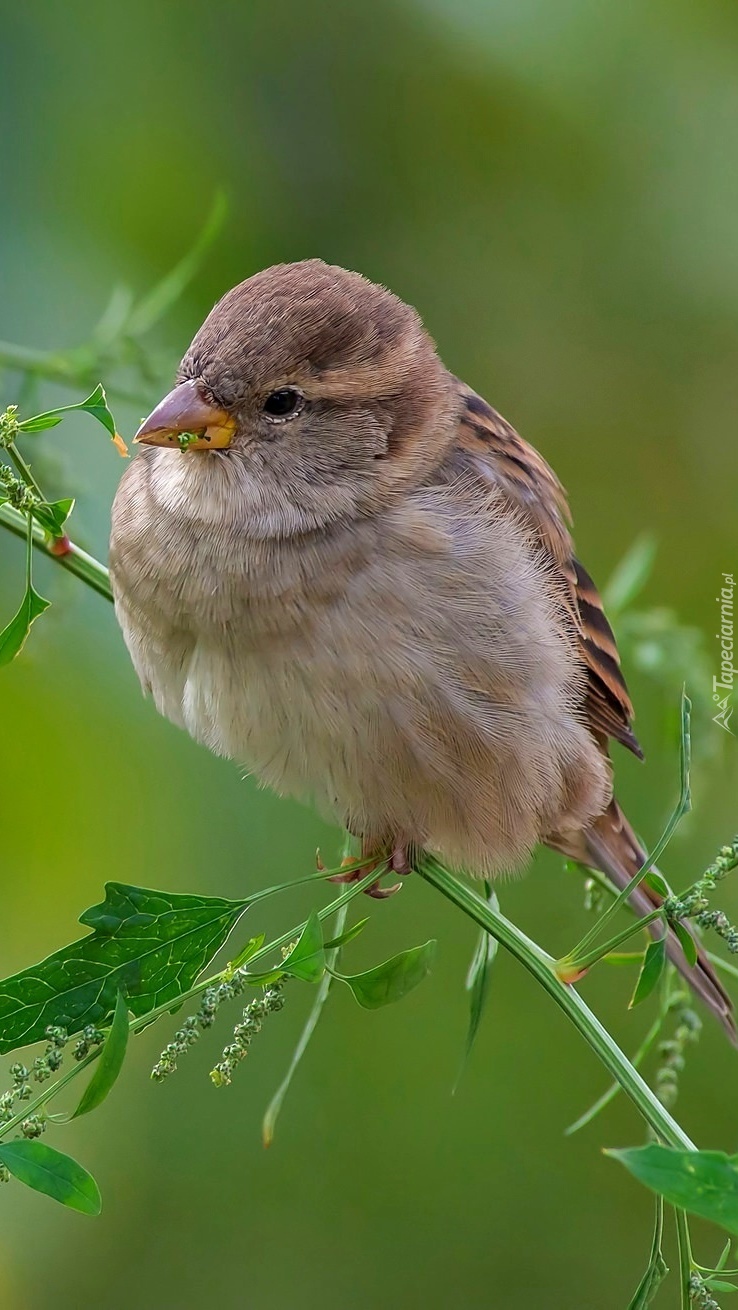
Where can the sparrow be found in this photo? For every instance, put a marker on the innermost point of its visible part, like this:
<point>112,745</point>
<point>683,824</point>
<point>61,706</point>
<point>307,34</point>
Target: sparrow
<point>334,563</point>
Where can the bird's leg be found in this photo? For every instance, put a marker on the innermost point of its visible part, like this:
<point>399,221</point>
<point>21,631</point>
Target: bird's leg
<point>391,855</point>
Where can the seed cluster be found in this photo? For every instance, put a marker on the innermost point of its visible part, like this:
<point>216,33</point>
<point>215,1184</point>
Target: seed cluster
<point>695,903</point>
<point>91,1036</point>
<point>43,1068</point>
<point>253,1016</point>
<point>20,1091</point>
<point>673,1051</point>
<point>700,1295</point>
<point>16,492</point>
<point>9,425</point>
<point>720,923</point>
<point>186,1036</point>
<point>210,1002</point>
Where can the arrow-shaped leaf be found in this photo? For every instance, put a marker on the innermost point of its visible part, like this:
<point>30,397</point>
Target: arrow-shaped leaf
<point>703,1182</point>
<point>393,979</point>
<point>52,515</point>
<point>13,637</point>
<point>95,404</point>
<point>151,945</point>
<point>307,958</point>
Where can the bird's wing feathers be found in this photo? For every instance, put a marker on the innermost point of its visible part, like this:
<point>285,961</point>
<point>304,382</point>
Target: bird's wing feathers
<point>525,478</point>
<point>609,843</point>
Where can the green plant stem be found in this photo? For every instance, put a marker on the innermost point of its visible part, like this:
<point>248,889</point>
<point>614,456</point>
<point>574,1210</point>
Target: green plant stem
<point>543,968</point>
<point>586,961</point>
<point>685,1256</point>
<point>614,1088</point>
<point>323,875</point>
<point>354,890</point>
<point>22,468</point>
<point>76,560</point>
<point>143,1021</point>
<point>622,897</point>
<point>29,552</point>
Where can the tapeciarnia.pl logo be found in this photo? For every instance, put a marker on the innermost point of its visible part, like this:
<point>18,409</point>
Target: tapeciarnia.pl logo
<point>722,686</point>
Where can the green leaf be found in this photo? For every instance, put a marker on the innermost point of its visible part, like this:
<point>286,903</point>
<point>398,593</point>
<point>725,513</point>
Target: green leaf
<point>95,404</point>
<point>703,1182</point>
<point>720,1285</point>
<point>630,575</point>
<point>348,936</point>
<point>651,970</point>
<point>52,515</point>
<point>657,1267</point>
<point>40,422</point>
<point>723,1257</point>
<point>149,944</point>
<point>264,979</point>
<point>659,884</point>
<point>49,1171</point>
<point>688,943</point>
<point>109,1062</point>
<point>477,981</point>
<point>307,958</point>
<point>393,979</point>
<point>13,637</point>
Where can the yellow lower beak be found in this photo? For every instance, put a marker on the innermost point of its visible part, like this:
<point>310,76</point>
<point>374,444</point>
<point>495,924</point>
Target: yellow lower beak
<point>184,421</point>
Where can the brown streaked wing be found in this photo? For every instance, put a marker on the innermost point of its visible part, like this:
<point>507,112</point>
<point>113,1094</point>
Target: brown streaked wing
<point>533,488</point>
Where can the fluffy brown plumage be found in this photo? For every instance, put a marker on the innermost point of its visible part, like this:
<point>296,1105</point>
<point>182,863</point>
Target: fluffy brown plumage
<point>365,589</point>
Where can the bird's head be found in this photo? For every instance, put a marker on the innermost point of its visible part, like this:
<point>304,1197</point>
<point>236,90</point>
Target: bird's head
<point>308,386</point>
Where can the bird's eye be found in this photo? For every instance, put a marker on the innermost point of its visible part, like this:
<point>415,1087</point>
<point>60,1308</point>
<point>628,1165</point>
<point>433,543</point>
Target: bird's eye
<point>284,403</point>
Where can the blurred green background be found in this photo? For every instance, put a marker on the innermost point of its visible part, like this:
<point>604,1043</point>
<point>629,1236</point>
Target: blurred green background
<point>553,185</point>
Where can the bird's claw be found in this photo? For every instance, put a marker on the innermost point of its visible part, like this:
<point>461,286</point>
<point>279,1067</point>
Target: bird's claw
<point>351,873</point>
<point>381,893</point>
<point>397,862</point>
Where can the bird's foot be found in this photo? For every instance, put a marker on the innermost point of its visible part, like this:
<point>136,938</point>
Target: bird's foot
<point>395,860</point>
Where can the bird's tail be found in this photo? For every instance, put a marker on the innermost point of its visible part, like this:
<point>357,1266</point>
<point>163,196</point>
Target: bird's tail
<point>611,846</point>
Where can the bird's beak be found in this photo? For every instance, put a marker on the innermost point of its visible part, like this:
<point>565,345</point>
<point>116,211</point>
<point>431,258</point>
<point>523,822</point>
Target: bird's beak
<point>186,421</point>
